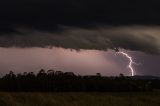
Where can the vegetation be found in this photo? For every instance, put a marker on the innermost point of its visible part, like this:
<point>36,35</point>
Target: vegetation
<point>58,81</point>
<point>80,99</point>
<point>57,88</point>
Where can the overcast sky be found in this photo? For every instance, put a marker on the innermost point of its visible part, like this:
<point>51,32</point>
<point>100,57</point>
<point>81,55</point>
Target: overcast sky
<point>80,62</point>
<point>38,34</point>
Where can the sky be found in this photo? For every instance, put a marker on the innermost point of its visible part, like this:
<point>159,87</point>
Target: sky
<point>83,62</point>
<point>81,36</point>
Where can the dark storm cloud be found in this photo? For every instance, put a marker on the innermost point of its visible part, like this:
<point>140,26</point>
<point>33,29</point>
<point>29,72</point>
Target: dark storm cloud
<point>48,14</point>
<point>38,23</point>
<point>138,38</point>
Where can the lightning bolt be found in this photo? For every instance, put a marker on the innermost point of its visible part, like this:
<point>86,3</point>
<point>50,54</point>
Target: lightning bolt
<point>130,62</point>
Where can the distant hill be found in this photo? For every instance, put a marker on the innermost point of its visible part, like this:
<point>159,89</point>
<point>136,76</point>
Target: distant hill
<point>147,77</point>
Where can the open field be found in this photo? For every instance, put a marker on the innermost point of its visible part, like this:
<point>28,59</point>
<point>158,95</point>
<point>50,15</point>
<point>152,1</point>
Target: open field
<point>80,99</point>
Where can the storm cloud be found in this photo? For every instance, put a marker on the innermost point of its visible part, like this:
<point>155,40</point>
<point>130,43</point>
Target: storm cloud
<point>136,38</point>
<point>49,14</point>
<point>81,24</point>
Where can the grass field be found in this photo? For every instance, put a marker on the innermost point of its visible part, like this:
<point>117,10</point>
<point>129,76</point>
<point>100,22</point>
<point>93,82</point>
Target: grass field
<point>80,99</point>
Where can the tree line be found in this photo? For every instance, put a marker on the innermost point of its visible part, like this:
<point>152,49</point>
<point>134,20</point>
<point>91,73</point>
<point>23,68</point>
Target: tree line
<point>58,81</point>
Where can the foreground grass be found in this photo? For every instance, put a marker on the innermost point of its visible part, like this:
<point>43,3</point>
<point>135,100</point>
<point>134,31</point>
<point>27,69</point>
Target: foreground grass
<point>80,99</point>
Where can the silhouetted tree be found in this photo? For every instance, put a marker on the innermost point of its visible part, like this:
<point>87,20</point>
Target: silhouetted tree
<point>99,74</point>
<point>68,81</point>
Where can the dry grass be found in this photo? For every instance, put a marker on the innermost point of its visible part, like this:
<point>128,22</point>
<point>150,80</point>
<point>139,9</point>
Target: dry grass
<point>80,99</point>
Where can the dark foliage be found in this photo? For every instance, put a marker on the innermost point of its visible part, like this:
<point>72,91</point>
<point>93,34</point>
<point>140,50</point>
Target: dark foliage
<point>58,81</point>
